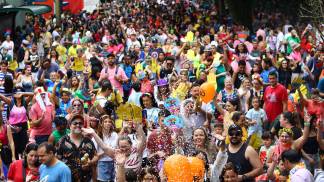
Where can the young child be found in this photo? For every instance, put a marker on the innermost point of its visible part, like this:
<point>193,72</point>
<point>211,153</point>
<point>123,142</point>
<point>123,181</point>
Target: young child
<point>256,117</point>
<point>264,153</point>
<point>61,130</point>
<point>267,146</point>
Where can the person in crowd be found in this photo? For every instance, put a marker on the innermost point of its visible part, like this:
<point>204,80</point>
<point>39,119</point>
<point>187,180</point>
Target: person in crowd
<point>134,155</point>
<point>25,169</point>
<point>106,165</point>
<point>52,169</point>
<point>242,155</point>
<point>77,151</point>
<point>41,115</point>
<point>18,119</point>
<point>275,99</point>
<point>291,159</point>
<point>61,130</point>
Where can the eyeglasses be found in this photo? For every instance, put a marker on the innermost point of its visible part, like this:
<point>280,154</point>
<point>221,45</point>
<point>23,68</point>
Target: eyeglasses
<point>77,123</point>
<point>235,133</point>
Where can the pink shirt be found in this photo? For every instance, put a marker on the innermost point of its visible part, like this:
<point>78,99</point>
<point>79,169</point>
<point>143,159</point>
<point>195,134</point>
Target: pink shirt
<point>111,73</point>
<point>17,115</point>
<point>45,126</point>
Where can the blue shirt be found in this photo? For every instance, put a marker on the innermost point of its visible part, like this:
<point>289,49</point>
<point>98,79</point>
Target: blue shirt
<point>265,74</point>
<point>57,173</point>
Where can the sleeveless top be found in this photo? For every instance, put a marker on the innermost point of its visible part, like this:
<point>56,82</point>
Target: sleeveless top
<point>34,59</point>
<point>18,115</point>
<point>243,165</point>
<point>232,96</point>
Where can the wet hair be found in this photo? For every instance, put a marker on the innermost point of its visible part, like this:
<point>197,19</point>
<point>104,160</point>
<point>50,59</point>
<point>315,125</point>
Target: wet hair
<point>266,135</point>
<point>28,148</point>
<point>124,137</point>
<point>147,170</point>
<point>228,167</point>
<point>60,121</point>
<point>291,155</point>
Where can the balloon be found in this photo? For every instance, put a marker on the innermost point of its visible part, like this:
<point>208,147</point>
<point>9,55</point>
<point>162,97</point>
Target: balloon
<point>207,92</point>
<point>177,169</point>
<point>197,167</point>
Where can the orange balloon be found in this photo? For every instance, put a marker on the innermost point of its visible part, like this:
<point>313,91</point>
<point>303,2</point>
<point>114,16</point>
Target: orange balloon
<point>197,167</point>
<point>207,92</point>
<point>177,169</point>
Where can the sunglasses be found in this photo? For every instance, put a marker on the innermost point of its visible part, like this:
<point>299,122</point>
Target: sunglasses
<point>235,133</point>
<point>76,105</point>
<point>77,123</point>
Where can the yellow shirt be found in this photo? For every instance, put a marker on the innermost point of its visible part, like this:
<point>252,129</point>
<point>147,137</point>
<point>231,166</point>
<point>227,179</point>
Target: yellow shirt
<point>73,51</point>
<point>78,64</point>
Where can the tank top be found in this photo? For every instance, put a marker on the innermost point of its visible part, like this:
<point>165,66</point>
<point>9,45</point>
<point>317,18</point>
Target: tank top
<point>34,59</point>
<point>17,115</point>
<point>243,165</point>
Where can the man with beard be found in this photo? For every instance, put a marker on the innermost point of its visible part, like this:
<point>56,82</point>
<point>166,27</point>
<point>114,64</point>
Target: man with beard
<point>77,152</point>
<point>275,99</point>
<point>114,74</point>
<point>51,169</point>
<point>242,155</point>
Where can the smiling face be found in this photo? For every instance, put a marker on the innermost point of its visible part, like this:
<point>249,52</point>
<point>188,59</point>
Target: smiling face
<point>199,138</point>
<point>230,176</point>
<point>76,126</point>
<point>285,138</point>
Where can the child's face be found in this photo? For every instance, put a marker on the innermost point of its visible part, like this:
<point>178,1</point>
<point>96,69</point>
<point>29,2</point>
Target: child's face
<point>53,76</point>
<point>218,130</point>
<point>255,103</point>
<point>267,142</point>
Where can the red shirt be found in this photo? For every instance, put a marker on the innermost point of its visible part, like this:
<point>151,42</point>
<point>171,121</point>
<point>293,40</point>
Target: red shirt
<point>15,172</point>
<point>273,98</point>
<point>313,107</point>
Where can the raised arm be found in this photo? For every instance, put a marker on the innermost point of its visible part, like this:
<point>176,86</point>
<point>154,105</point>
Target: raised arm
<point>298,144</point>
<point>107,150</point>
<point>5,99</point>
<point>320,140</point>
<point>141,139</point>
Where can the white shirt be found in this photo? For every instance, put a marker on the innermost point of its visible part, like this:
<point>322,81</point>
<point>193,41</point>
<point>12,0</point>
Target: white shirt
<point>110,141</point>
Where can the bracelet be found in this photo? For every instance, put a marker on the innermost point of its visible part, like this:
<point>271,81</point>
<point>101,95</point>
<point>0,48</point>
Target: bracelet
<point>307,124</point>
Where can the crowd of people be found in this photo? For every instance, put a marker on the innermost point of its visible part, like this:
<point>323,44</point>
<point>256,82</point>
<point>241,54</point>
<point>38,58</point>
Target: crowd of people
<point>111,95</point>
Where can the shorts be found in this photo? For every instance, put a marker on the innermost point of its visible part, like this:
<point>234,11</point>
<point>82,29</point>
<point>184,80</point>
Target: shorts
<point>106,171</point>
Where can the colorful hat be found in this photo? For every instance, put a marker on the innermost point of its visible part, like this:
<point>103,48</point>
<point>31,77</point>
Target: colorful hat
<point>162,82</point>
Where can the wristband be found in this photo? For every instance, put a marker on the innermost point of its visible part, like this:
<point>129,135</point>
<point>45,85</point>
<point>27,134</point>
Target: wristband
<point>307,124</point>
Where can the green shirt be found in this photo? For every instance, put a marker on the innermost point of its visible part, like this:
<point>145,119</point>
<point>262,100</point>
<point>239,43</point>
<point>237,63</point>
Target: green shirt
<point>58,135</point>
